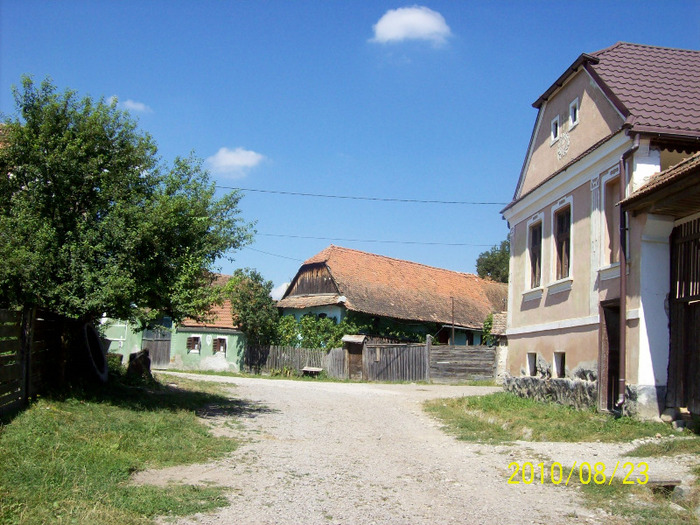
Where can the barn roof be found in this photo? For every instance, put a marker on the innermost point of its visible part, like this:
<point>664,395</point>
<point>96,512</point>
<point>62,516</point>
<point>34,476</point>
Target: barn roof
<point>378,285</point>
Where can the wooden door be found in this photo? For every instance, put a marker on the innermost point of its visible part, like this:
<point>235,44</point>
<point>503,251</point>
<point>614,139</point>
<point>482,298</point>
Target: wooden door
<point>158,344</point>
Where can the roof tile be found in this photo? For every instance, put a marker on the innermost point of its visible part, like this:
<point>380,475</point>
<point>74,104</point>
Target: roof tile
<point>659,86</point>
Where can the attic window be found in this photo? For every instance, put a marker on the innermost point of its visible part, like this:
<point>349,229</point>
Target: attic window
<point>554,127</point>
<point>573,113</point>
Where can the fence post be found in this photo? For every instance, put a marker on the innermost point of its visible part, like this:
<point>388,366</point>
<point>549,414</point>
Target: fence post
<point>25,353</point>
<point>428,349</point>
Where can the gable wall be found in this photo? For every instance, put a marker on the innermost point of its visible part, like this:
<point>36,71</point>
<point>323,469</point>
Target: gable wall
<point>314,279</point>
<point>597,120</point>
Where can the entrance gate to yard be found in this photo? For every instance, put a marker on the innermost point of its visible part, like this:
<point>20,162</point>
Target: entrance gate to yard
<point>683,388</point>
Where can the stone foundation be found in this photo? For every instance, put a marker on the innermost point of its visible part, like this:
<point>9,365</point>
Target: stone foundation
<point>577,393</point>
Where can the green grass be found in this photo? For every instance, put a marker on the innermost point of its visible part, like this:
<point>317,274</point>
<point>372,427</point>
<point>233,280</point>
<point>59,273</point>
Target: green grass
<point>668,448</point>
<point>638,504</point>
<point>68,458</point>
<point>503,417</point>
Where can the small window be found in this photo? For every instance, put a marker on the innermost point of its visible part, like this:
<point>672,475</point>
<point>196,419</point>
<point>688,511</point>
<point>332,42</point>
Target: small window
<point>562,238</point>
<point>573,113</point>
<point>559,364</point>
<point>554,136</point>
<point>536,255</point>
<point>219,345</point>
<point>194,344</point>
<point>531,364</point>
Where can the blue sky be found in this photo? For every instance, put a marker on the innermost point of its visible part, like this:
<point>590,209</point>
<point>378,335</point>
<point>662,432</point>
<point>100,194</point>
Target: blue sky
<point>379,99</point>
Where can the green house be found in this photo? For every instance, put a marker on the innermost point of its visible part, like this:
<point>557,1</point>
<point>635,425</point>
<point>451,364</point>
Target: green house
<point>213,345</point>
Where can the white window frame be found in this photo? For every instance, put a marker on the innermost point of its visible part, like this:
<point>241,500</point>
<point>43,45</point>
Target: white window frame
<point>530,292</point>
<point>563,284</point>
<point>220,337</point>
<point>197,347</point>
<point>608,271</point>
<point>552,138</point>
<point>574,105</point>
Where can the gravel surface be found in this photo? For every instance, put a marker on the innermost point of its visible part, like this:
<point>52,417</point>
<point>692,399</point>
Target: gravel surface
<point>350,453</point>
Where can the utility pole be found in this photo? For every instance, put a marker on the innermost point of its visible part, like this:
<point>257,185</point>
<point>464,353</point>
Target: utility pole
<point>453,320</point>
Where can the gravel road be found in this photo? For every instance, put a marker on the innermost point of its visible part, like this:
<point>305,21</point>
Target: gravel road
<point>343,453</point>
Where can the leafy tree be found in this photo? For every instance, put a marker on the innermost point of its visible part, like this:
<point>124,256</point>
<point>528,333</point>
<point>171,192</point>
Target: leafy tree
<point>493,264</point>
<point>253,309</point>
<point>313,332</point>
<point>92,222</point>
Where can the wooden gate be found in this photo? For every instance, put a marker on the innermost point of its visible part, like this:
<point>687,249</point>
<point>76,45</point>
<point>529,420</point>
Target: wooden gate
<point>157,341</point>
<point>683,388</point>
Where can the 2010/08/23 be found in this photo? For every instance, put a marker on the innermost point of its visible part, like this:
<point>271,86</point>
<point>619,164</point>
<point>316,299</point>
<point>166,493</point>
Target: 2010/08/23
<point>529,473</point>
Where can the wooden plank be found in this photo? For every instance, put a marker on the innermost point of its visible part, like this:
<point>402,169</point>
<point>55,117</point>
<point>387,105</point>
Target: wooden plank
<point>11,345</point>
<point>11,372</point>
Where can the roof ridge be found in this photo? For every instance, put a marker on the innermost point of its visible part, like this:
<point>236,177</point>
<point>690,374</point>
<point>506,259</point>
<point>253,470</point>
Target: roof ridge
<point>623,43</point>
<point>332,246</point>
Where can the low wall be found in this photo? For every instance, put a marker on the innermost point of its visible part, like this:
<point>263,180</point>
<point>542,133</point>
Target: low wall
<point>572,392</point>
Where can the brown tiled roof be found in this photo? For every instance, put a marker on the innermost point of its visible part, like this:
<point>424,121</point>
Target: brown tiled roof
<point>675,191</point>
<point>659,87</point>
<point>383,286</point>
<point>220,316</point>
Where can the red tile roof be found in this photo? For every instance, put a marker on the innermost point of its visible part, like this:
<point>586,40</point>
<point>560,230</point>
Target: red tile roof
<point>220,316</point>
<point>659,87</point>
<point>383,286</point>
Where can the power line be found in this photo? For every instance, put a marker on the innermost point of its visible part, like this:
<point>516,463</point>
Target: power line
<point>358,198</point>
<point>426,243</point>
<point>275,255</point>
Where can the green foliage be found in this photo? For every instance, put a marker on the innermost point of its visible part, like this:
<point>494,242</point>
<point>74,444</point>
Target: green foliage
<point>486,336</point>
<point>91,222</point>
<point>493,264</point>
<point>253,309</point>
<point>313,332</point>
<point>69,459</point>
<point>389,328</point>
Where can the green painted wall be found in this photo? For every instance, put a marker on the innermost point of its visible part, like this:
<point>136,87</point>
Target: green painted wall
<point>206,358</point>
<point>125,339</point>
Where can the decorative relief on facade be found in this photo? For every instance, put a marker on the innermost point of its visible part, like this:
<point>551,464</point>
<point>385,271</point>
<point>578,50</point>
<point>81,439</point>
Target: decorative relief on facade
<point>595,183</point>
<point>563,146</point>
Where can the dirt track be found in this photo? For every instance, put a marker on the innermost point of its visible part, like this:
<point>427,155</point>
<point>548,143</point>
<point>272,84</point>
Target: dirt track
<point>366,453</point>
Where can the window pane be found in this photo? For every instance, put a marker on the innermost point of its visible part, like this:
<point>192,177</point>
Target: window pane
<point>562,239</point>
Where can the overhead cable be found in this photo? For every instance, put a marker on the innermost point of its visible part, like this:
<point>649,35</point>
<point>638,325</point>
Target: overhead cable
<point>360,198</point>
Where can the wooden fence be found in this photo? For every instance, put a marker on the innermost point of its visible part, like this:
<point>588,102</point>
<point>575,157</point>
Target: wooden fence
<point>382,362</point>
<point>396,362</point>
<point>29,346</point>
<point>450,363</point>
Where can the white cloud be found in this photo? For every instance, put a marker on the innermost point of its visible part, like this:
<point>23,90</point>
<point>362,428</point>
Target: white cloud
<point>278,291</point>
<point>131,105</point>
<point>411,23</point>
<point>233,162</point>
<point>140,107</point>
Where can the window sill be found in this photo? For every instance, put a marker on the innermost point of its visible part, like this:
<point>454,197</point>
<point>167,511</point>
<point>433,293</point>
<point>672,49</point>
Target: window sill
<point>609,272</point>
<point>193,351</point>
<point>562,285</point>
<point>534,294</point>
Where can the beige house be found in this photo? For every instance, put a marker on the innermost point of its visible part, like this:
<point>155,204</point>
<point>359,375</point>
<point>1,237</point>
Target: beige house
<point>608,127</point>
